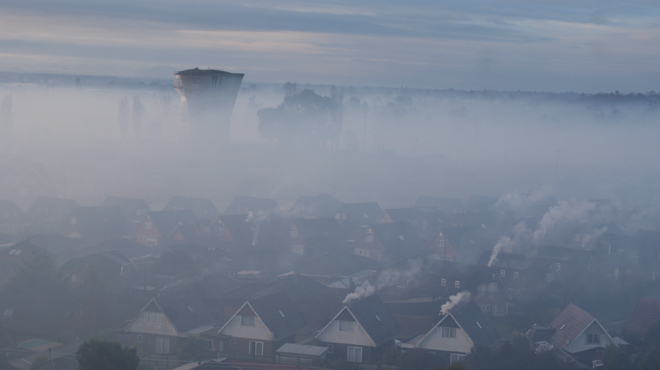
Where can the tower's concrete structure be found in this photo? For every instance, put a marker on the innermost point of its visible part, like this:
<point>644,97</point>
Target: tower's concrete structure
<point>210,95</point>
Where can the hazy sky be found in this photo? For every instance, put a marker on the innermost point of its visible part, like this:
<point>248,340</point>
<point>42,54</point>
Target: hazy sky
<point>538,45</point>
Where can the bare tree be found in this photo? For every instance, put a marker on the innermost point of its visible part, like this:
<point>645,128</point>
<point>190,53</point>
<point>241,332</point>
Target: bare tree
<point>123,112</point>
<point>138,112</point>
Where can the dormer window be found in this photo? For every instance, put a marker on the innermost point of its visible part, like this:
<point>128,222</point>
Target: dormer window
<point>457,284</point>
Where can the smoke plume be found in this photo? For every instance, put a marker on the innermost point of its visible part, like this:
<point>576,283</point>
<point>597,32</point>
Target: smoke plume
<point>563,212</point>
<point>454,301</point>
<point>504,241</point>
<point>362,291</point>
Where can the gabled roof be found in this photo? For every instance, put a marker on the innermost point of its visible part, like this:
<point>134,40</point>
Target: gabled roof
<point>50,208</point>
<point>362,213</point>
<point>476,324</point>
<point>97,221</point>
<point>337,264</point>
<point>9,211</point>
<point>127,247</point>
<point>320,206</point>
<point>184,309</point>
<point>646,314</point>
<point>375,319</point>
<point>480,203</point>
<point>277,312</point>
<point>166,220</point>
<point>203,208</point>
<point>570,323</point>
<point>241,205</point>
<point>299,289</point>
<point>397,237</point>
<point>129,206</point>
<point>447,205</point>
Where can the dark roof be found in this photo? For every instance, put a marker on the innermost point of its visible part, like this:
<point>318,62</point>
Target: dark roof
<point>242,205</point>
<point>62,246</point>
<point>278,314</point>
<point>134,209</point>
<point>239,228</point>
<point>376,320</point>
<point>362,213</point>
<point>337,264</point>
<point>50,208</point>
<point>568,325</point>
<point>397,237</point>
<point>204,72</point>
<point>319,206</point>
<point>5,239</point>
<point>166,220</point>
<point>126,247</point>
<point>319,232</point>
<point>97,222</point>
<point>480,203</point>
<point>185,309</point>
<point>447,205</point>
<point>468,315</point>
<point>108,263</point>
<point>646,314</point>
<point>9,211</point>
<point>299,289</point>
<point>203,208</point>
<point>434,218</point>
<point>66,362</point>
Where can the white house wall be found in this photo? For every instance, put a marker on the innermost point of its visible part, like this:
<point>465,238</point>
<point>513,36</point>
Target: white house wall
<point>159,324</point>
<point>357,337</point>
<point>580,343</point>
<point>435,342</point>
<point>234,329</point>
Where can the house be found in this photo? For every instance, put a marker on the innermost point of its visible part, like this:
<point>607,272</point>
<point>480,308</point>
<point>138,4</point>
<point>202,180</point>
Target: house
<point>647,313</point>
<point>47,213</point>
<point>260,326</point>
<point>202,208</point>
<point>165,320</point>
<point>134,209</point>
<point>383,241</point>
<point>157,226</point>
<point>96,224</point>
<point>305,236</point>
<point>14,256</point>
<point>458,331</point>
<point>243,205</point>
<point>425,221</point>
<point>446,205</point>
<point>360,332</point>
<point>320,206</point>
<point>358,214</point>
<point>109,266</point>
<point>335,266</point>
<point>575,332</point>
<point>480,203</point>
<point>12,219</point>
<point>441,247</point>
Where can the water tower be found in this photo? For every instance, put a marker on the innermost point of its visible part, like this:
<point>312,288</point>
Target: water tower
<point>210,95</point>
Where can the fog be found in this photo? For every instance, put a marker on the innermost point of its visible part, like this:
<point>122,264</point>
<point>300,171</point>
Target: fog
<point>394,145</point>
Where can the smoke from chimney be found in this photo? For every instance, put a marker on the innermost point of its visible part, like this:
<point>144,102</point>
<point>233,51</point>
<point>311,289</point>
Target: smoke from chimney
<point>454,301</point>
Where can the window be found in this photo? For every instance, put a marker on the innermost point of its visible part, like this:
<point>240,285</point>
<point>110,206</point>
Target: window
<point>73,221</point>
<point>558,265</point>
<point>232,342</point>
<point>457,284</point>
<point>441,243</point>
<point>354,354</point>
<point>139,338</point>
<point>257,348</point>
<point>218,230</point>
<point>147,225</point>
<point>345,325</point>
<point>162,345</point>
<point>576,237</point>
<point>293,234</point>
<point>455,357</point>
<point>443,282</point>
<point>331,348</point>
<point>500,310</point>
<point>485,307</point>
<point>502,273</point>
<point>370,238</point>
<point>448,332</point>
<point>338,216</point>
<point>549,277</point>
<point>516,275</point>
<point>247,320</point>
<point>593,338</point>
<point>152,316</point>
<point>492,287</point>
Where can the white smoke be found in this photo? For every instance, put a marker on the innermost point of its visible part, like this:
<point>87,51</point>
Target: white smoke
<point>563,212</point>
<point>517,201</point>
<point>387,278</point>
<point>454,301</point>
<point>594,235</point>
<point>504,241</point>
<point>256,218</point>
<point>361,291</point>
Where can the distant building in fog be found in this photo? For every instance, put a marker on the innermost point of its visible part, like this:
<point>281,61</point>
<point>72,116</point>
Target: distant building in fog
<point>210,96</point>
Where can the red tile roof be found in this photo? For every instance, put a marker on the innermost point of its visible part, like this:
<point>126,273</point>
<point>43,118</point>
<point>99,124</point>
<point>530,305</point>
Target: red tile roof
<point>646,314</point>
<point>568,325</point>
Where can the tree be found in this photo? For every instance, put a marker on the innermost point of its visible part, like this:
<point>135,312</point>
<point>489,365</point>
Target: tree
<point>37,275</point>
<point>418,359</point>
<point>616,358</point>
<point>302,119</point>
<point>192,348</point>
<point>95,354</point>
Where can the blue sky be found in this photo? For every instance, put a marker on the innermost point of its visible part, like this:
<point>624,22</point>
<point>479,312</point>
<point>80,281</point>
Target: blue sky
<point>537,45</point>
